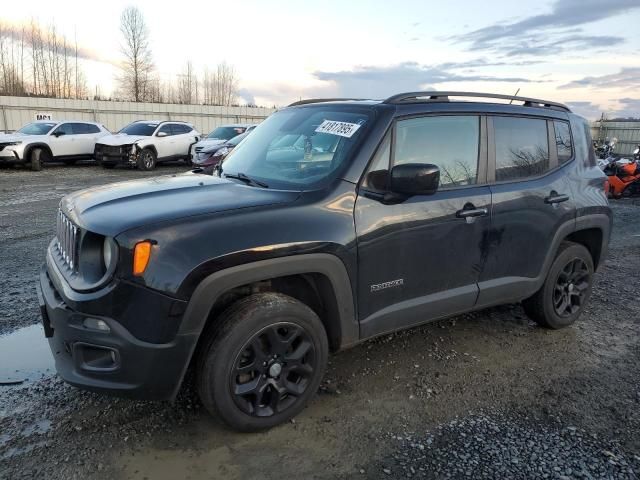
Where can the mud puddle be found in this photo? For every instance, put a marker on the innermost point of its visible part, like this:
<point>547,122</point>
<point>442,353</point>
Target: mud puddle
<point>24,356</point>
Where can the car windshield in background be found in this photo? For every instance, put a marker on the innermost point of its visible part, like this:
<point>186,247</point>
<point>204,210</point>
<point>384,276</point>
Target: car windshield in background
<point>37,128</point>
<point>237,139</point>
<point>226,133</point>
<point>140,128</point>
<point>298,148</point>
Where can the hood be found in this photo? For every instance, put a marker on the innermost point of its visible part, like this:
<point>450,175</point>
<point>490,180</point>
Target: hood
<point>115,208</point>
<point>19,137</point>
<point>209,142</point>
<point>120,139</point>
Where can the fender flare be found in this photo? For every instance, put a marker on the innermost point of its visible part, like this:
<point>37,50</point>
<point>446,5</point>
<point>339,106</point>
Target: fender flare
<point>212,287</point>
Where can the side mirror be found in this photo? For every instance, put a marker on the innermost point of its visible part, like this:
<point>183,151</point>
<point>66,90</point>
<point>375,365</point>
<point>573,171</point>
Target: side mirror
<point>58,133</point>
<point>161,134</point>
<point>414,179</point>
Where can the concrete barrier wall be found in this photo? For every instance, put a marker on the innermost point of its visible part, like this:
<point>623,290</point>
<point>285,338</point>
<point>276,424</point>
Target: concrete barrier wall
<point>17,111</point>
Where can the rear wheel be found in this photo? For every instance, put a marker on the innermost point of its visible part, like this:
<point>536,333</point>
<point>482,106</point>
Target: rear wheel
<point>263,363</point>
<point>566,290</point>
<point>147,159</point>
<point>38,157</point>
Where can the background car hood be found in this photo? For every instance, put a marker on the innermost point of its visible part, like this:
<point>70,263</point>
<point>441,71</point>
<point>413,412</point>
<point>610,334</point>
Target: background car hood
<point>115,208</point>
<point>209,142</point>
<point>121,139</point>
<point>19,137</point>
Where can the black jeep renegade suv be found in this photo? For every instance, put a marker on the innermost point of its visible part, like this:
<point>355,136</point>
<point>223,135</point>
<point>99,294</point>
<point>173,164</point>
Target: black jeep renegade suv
<point>334,222</point>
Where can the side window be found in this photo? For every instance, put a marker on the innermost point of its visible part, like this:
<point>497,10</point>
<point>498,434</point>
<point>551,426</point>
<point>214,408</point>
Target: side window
<point>563,141</point>
<point>378,172</point>
<point>522,148</point>
<point>450,142</point>
<point>180,129</point>
<point>91,128</point>
<point>79,128</point>
<point>65,129</point>
<point>166,128</point>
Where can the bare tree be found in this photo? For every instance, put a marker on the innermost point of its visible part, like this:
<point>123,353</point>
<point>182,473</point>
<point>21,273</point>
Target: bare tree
<point>187,85</point>
<point>137,67</point>
<point>220,87</point>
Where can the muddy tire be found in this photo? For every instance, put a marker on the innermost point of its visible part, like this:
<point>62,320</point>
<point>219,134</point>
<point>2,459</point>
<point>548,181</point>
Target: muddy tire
<point>566,290</point>
<point>147,159</point>
<point>263,362</point>
<point>37,157</point>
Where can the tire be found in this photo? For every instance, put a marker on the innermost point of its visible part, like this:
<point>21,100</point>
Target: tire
<point>241,341</point>
<point>38,156</point>
<point>147,159</point>
<point>565,291</point>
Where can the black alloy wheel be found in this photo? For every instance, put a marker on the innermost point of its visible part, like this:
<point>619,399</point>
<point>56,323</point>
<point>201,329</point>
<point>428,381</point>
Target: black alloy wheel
<point>572,286</point>
<point>273,370</point>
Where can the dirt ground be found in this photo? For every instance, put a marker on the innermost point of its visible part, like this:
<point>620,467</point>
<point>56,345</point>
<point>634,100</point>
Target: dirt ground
<point>488,394</point>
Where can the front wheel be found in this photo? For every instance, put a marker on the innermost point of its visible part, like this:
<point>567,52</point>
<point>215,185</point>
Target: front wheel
<point>566,290</point>
<point>264,362</point>
<point>147,159</point>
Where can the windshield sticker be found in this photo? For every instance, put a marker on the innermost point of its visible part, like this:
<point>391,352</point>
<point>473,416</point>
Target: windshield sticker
<point>342,129</point>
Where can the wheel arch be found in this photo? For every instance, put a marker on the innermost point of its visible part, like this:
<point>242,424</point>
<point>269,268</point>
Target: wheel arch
<point>29,149</point>
<point>319,280</point>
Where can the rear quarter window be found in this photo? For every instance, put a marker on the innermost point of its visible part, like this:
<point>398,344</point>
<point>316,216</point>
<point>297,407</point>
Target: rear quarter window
<point>564,144</point>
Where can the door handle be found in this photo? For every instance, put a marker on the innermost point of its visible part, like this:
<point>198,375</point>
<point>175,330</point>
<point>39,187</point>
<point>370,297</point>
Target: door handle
<point>556,198</point>
<point>472,212</point>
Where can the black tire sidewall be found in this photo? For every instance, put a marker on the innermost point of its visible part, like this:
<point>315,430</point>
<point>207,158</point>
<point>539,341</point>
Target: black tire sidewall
<point>571,252</point>
<point>242,321</point>
<point>36,158</point>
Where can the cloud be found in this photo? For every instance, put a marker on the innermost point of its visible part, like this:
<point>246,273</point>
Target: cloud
<point>625,108</point>
<point>379,82</point>
<point>625,78</point>
<point>247,96</point>
<point>550,33</point>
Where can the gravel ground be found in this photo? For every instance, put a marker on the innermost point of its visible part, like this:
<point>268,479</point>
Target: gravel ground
<point>488,393</point>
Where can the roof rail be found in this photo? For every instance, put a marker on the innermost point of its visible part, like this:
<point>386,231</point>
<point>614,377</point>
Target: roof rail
<point>423,97</point>
<point>321,100</point>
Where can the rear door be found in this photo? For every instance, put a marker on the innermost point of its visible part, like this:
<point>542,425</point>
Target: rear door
<point>185,137</point>
<point>531,200</point>
<point>84,141</point>
<point>420,259</point>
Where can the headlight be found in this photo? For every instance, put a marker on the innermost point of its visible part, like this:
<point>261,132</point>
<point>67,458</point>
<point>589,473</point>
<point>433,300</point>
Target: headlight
<point>109,253</point>
<point>222,151</point>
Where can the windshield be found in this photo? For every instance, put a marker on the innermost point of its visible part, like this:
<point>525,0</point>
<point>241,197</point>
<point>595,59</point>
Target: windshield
<point>226,133</point>
<point>140,128</point>
<point>37,128</point>
<point>299,148</point>
<point>237,139</point>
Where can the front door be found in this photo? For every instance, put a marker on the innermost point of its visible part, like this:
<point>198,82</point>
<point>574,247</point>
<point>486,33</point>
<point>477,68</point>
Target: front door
<point>63,140</point>
<point>165,145</point>
<point>421,259</point>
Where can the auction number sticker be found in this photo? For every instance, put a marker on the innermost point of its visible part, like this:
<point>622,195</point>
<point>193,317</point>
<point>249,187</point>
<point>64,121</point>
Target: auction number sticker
<point>343,129</point>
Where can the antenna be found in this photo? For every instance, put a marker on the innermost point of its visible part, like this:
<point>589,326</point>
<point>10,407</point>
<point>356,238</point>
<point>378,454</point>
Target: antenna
<point>515,95</point>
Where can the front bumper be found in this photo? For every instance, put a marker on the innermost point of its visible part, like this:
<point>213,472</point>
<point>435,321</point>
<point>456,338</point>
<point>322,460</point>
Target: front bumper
<point>121,155</point>
<point>112,361</point>
<point>7,155</point>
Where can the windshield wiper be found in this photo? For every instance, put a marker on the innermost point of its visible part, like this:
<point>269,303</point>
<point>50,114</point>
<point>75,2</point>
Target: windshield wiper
<point>246,179</point>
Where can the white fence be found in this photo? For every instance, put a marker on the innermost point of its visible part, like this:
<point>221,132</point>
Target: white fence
<point>17,111</point>
<point>626,131</point>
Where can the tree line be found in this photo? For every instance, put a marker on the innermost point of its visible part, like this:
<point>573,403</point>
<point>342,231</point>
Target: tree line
<point>39,61</point>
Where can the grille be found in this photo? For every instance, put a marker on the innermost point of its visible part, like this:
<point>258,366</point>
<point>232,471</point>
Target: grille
<point>110,149</point>
<point>67,240</point>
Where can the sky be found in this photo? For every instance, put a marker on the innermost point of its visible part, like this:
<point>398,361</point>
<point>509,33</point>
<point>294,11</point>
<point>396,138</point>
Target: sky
<point>585,53</point>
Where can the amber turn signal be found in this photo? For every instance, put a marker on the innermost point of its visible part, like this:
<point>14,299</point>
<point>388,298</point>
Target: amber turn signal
<point>141,254</point>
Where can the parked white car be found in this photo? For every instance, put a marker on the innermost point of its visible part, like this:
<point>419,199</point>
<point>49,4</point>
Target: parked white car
<point>221,134</point>
<point>45,141</point>
<point>144,143</point>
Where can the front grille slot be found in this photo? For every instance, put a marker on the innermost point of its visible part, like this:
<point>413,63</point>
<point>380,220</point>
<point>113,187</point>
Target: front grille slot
<point>67,235</point>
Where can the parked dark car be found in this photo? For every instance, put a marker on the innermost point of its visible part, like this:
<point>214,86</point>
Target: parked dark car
<point>208,158</point>
<point>332,223</point>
